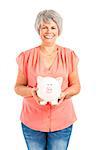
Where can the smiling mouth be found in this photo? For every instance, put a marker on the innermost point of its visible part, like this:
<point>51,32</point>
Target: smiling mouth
<point>49,36</point>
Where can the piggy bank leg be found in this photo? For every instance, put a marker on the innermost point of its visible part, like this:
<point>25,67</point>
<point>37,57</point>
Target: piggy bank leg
<point>54,102</point>
<point>43,103</point>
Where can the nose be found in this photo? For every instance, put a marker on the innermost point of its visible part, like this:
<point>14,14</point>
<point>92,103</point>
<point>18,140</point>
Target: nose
<point>48,30</point>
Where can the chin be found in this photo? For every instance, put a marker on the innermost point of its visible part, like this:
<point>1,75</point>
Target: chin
<point>49,43</point>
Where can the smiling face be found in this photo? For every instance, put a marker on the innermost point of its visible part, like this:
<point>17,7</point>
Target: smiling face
<point>48,33</point>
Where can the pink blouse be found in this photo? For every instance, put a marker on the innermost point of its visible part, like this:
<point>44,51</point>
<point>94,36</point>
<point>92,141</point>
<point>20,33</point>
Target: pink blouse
<point>47,118</point>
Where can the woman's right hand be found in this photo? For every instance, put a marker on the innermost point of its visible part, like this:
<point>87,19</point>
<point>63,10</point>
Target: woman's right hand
<point>34,94</point>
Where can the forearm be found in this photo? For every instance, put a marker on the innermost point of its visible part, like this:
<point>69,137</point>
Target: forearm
<point>23,90</point>
<point>72,90</point>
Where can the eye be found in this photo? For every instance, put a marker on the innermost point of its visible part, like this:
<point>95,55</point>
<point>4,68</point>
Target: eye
<point>44,27</point>
<point>53,27</point>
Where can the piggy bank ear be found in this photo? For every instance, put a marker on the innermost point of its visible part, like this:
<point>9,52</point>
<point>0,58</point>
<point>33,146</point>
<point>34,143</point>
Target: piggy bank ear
<point>60,80</point>
<point>39,79</point>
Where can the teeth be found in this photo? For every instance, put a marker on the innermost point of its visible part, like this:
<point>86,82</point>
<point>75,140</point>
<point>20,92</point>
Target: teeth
<point>48,36</point>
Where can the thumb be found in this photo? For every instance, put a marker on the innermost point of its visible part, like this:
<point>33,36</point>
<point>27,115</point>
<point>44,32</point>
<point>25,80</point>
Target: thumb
<point>35,88</point>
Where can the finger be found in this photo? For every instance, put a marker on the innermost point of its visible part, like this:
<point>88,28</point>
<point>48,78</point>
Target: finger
<point>60,101</point>
<point>35,88</point>
<point>39,100</point>
<point>33,92</point>
<point>67,96</point>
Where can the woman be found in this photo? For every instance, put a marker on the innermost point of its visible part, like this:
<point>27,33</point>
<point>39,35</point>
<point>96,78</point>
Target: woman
<point>48,126</point>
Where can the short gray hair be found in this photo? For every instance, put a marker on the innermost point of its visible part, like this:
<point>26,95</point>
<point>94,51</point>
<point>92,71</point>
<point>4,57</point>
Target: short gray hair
<point>46,16</point>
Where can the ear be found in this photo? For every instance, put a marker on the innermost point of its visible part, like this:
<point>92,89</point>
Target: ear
<point>39,79</point>
<point>60,80</point>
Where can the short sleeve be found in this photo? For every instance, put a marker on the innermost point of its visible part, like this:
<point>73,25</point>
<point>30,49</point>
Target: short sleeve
<point>73,61</point>
<point>22,64</point>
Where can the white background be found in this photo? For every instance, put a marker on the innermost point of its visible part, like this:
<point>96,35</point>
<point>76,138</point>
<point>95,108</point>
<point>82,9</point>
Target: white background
<point>81,32</point>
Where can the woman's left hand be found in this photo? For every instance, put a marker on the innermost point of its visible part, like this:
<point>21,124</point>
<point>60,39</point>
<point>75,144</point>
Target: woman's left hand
<point>63,96</point>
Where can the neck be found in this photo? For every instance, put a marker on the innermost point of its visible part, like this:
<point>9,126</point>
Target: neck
<point>48,49</point>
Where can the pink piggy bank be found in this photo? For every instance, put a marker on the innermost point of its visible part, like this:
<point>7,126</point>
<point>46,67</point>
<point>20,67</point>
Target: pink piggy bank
<point>49,89</point>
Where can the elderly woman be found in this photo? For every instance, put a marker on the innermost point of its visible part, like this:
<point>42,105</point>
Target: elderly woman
<point>47,127</point>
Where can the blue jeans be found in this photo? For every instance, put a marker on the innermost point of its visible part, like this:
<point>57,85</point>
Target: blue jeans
<point>37,140</point>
